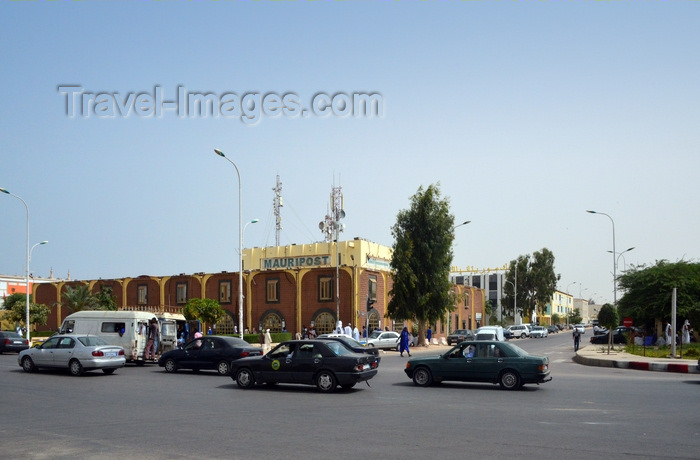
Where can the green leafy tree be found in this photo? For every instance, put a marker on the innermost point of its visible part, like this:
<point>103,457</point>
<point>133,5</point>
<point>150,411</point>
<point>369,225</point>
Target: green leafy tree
<point>536,283</point>
<point>575,316</point>
<point>105,299</point>
<point>79,298</point>
<point>16,305</point>
<point>648,292</point>
<point>208,311</point>
<point>607,317</point>
<point>422,255</point>
<point>556,319</point>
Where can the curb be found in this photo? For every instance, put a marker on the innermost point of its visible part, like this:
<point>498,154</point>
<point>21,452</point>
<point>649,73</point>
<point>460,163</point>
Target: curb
<point>680,368</point>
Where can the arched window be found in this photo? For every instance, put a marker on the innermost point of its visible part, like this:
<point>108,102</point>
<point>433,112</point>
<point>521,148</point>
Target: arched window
<point>324,323</point>
<point>271,320</point>
<point>373,320</point>
<point>226,325</point>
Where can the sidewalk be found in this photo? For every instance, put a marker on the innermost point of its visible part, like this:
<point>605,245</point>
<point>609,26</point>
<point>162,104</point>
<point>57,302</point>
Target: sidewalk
<point>597,355</point>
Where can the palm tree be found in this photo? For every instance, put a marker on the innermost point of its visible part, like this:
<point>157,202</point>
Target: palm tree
<point>78,298</point>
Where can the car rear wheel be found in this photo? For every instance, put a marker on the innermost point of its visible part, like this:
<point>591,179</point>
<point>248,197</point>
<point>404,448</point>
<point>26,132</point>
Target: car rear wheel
<point>522,336</point>
<point>509,380</point>
<point>28,364</point>
<point>245,379</point>
<point>370,345</point>
<point>170,365</point>
<point>109,371</point>
<point>325,381</point>
<point>75,367</point>
<point>422,377</point>
<point>223,368</point>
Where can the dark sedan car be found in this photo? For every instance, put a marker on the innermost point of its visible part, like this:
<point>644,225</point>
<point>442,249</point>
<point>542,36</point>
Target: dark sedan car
<point>481,361</point>
<point>619,336</point>
<point>323,363</point>
<point>12,341</point>
<point>460,335</point>
<point>353,344</point>
<point>208,352</point>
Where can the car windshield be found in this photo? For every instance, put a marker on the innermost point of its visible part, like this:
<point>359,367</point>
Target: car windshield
<point>91,341</point>
<point>338,349</point>
<point>460,332</point>
<point>375,334</point>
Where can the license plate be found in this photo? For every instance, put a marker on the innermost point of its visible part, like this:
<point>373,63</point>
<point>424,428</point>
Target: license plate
<point>365,367</point>
<point>111,354</point>
<point>17,342</point>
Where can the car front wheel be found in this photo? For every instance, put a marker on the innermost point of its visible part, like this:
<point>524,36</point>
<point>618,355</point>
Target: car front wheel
<point>422,377</point>
<point>28,364</point>
<point>245,379</point>
<point>223,368</point>
<point>325,381</point>
<point>75,368</point>
<point>509,380</point>
<point>170,365</point>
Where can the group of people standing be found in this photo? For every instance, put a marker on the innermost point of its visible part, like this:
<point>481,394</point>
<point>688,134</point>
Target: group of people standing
<point>685,332</point>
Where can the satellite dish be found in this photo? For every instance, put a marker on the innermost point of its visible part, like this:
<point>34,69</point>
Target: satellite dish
<point>321,225</point>
<point>341,214</point>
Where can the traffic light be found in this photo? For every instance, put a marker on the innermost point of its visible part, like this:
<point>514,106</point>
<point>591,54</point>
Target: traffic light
<point>370,302</point>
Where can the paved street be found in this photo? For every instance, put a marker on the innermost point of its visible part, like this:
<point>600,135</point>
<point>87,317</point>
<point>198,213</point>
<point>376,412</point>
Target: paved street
<point>584,412</point>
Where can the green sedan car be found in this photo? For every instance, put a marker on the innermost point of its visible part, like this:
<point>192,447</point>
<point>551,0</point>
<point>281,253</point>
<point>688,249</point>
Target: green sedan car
<point>481,361</point>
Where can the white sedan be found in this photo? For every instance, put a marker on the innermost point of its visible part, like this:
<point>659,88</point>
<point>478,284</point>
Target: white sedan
<point>77,353</point>
<point>388,340</point>
<point>538,332</point>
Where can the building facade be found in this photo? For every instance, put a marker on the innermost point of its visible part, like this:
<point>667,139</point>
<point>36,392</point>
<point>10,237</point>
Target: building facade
<point>285,288</point>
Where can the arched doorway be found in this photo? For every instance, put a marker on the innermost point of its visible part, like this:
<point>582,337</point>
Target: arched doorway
<point>272,320</point>
<point>227,324</point>
<point>373,320</point>
<point>324,322</point>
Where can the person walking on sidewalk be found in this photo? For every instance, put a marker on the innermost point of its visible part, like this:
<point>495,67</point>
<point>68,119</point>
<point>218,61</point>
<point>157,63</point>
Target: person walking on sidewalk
<point>577,339</point>
<point>404,342</point>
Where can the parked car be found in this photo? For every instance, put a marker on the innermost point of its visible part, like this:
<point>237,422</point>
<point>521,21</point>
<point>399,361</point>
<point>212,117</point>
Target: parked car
<point>12,341</point>
<point>324,363</point>
<point>507,334</point>
<point>552,329</point>
<point>77,353</point>
<point>388,340</point>
<point>481,361</point>
<point>208,352</point>
<point>538,332</point>
<point>620,334</point>
<point>353,344</point>
<point>460,335</point>
<point>580,327</point>
<point>519,330</point>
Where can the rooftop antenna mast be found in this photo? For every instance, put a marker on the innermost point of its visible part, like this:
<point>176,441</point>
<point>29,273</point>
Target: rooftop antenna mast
<point>331,228</point>
<point>277,204</point>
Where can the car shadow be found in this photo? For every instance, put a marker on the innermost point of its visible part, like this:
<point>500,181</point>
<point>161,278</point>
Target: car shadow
<point>461,386</point>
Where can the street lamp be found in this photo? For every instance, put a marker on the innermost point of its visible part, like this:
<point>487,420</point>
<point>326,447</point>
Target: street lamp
<point>26,208</point>
<point>614,261</point>
<point>620,255</point>
<point>240,243</point>
<point>448,313</point>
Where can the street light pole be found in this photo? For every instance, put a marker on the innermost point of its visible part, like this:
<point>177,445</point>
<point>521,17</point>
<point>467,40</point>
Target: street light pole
<point>614,261</point>
<point>26,208</point>
<point>620,255</point>
<point>448,313</point>
<point>240,244</point>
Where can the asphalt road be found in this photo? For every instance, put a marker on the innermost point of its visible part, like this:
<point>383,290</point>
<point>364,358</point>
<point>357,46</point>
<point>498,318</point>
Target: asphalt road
<point>144,413</point>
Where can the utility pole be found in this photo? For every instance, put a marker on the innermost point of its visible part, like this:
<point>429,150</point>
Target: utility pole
<point>277,204</point>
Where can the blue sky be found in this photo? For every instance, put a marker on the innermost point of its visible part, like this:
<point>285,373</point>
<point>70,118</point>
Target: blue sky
<point>526,113</point>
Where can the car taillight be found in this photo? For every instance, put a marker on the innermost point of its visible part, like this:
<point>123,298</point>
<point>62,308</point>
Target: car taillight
<point>7,341</point>
<point>121,352</point>
<point>374,365</point>
<point>98,353</point>
<point>244,354</point>
<point>543,367</point>
<point>408,364</point>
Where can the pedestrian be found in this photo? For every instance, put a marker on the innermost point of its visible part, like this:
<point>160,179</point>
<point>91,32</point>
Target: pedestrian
<point>356,334</point>
<point>312,333</point>
<point>403,342</point>
<point>577,338</point>
<point>304,333</point>
<point>339,328</point>
<point>429,334</point>
<point>348,330</point>
<point>364,332</point>
<point>150,352</point>
<point>268,342</point>
<point>686,331</point>
<point>669,333</point>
